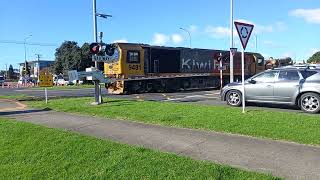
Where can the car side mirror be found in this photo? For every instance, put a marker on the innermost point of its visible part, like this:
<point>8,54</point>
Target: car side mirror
<point>251,81</point>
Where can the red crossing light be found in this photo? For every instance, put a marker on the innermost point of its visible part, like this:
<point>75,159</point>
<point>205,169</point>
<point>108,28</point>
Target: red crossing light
<point>95,48</point>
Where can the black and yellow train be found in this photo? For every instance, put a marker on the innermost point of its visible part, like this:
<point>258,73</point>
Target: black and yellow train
<point>144,68</point>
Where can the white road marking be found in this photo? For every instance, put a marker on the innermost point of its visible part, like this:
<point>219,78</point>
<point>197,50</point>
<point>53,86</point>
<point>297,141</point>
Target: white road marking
<point>194,96</point>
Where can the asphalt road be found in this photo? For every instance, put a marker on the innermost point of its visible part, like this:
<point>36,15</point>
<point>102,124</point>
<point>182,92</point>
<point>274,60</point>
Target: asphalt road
<point>173,97</point>
<point>199,97</point>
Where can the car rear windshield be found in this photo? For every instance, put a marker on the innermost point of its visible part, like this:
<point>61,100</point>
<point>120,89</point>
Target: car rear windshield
<point>307,74</point>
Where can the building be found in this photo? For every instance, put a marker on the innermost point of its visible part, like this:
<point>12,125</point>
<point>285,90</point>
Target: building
<point>36,66</point>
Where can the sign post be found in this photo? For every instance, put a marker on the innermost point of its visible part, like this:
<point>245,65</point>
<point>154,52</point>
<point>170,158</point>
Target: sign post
<point>45,80</point>
<point>244,31</point>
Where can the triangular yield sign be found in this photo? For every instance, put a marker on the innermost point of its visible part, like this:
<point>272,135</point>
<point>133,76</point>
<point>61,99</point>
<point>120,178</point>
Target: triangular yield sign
<point>244,31</point>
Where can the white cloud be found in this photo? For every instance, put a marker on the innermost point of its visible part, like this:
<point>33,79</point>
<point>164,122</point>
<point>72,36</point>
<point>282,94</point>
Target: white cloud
<point>120,41</point>
<point>310,15</point>
<point>224,32</point>
<point>176,38</point>
<point>160,39</point>
<point>218,32</point>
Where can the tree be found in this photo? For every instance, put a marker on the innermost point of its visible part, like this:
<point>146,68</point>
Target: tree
<point>3,73</point>
<point>315,58</point>
<point>10,72</point>
<point>86,60</point>
<point>69,56</point>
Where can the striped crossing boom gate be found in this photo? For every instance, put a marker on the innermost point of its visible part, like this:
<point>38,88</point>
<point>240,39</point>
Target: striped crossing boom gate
<point>96,76</point>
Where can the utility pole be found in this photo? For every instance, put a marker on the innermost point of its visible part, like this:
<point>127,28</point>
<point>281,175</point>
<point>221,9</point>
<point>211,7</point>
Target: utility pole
<point>97,86</point>
<point>95,33</point>
<point>231,41</point>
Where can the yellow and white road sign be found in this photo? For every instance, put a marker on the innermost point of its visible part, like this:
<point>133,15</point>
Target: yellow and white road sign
<point>45,79</point>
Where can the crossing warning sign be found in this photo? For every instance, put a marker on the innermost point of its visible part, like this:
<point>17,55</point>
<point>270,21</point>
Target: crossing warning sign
<point>45,79</point>
<point>244,31</point>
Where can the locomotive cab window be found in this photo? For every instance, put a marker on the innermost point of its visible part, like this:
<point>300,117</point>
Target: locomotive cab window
<point>133,57</point>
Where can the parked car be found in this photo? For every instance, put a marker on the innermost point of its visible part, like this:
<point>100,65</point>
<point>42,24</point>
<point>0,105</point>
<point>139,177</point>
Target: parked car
<point>76,82</point>
<point>25,80</point>
<point>291,86</point>
<point>1,80</point>
<point>61,82</point>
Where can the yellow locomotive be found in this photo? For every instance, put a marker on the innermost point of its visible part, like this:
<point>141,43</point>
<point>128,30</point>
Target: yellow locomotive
<point>144,68</point>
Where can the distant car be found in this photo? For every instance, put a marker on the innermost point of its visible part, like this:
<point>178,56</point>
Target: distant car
<point>291,86</point>
<point>61,82</point>
<point>75,82</point>
<point>1,80</point>
<point>24,80</point>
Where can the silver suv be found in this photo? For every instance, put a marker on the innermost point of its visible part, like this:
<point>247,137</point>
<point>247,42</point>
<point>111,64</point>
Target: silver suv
<point>291,86</point>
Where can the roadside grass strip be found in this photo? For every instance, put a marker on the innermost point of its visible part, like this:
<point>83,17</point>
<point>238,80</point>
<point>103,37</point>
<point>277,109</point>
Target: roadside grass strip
<point>289,126</point>
<point>34,152</point>
<point>18,96</point>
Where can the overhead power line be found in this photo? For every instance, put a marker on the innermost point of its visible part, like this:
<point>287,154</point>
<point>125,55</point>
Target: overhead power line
<point>27,43</point>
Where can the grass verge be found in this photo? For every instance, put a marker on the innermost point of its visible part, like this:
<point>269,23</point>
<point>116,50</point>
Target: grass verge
<point>34,152</point>
<point>16,97</point>
<point>296,127</point>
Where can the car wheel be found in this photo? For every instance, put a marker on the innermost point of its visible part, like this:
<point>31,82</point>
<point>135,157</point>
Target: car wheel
<point>310,102</point>
<point>234,98</point>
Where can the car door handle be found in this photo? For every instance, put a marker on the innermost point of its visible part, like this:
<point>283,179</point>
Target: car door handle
<point>269,86</point>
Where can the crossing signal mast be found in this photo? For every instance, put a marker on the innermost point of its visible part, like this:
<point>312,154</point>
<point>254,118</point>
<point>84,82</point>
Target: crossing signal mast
<point>102,53</point>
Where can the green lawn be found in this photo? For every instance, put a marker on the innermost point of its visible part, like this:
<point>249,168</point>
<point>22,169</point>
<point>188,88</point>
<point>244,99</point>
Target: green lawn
<point>297,127</point>
<point>35,152</point>
<point>17,96</point>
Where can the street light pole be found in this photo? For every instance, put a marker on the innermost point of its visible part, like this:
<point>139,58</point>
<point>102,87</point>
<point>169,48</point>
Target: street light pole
<point>188,34</point>
<point>231,41</point>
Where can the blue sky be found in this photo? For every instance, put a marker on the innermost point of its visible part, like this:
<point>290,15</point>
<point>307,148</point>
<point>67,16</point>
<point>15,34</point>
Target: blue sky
<point>282,27</point>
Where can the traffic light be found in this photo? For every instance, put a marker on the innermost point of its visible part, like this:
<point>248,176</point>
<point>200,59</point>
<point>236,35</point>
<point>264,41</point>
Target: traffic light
<point>109,49</point>
<point>95,48</point>
<point>102,49</point>
<point>26,69</point>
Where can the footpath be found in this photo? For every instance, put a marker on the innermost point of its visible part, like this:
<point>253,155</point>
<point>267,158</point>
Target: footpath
<point>284,159</point>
